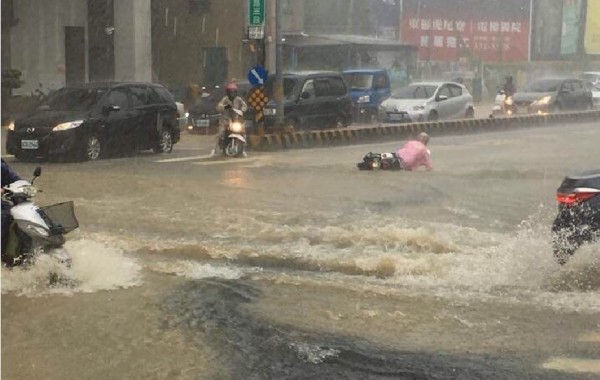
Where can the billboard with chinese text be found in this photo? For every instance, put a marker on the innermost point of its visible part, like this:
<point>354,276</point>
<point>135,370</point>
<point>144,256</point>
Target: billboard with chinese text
<point>486,29</point>
<point>592,28</point>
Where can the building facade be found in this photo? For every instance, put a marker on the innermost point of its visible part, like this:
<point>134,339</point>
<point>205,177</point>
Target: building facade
<point>58,42</point>
<point>54,43</point>
<point>175,42</point>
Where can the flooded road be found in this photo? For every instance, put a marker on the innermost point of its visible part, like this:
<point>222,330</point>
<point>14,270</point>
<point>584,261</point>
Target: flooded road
<point>297,265</point>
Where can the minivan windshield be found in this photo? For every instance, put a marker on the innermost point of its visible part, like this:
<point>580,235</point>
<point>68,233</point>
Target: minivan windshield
<point>72,99</point>
<point>543,85</point>
<point>415,91</point>
<point>359,81</point>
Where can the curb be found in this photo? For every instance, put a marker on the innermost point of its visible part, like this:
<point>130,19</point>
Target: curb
<point>354,135</point>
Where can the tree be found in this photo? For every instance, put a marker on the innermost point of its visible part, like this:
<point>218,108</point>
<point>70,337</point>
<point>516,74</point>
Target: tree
<point>11,80</point>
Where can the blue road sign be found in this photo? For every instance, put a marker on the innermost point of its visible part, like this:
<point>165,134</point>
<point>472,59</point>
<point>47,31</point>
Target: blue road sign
<point>257,76</point>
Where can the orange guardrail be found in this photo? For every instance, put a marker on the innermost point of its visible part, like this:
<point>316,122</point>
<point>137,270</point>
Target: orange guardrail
<point>382,132</point>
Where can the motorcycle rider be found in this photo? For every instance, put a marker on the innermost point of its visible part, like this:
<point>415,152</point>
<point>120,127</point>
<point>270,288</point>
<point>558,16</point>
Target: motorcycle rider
<point>414,153</point>
<point>230,101</point>
<point>8,177</point>
<point>509,90</point>
<point>509,87</point>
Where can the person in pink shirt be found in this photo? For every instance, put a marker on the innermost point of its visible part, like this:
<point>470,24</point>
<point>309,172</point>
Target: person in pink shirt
<point>415,153</point>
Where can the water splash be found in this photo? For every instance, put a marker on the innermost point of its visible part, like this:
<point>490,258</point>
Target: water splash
<point>94,267</point>
<point>195,270</point>
<point>312,353</point>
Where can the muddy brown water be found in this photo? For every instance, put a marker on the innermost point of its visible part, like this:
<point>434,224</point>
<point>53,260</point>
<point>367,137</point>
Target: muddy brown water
<point>296,265</point>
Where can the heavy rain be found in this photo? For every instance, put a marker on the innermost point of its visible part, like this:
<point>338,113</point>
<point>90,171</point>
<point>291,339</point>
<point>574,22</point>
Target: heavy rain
<point>278,189</point>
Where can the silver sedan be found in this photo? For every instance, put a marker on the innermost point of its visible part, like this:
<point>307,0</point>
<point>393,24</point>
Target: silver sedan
<point>427,101</point>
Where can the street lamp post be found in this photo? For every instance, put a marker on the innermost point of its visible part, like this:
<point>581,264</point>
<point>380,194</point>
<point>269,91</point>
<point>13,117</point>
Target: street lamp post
<point>278,88</point>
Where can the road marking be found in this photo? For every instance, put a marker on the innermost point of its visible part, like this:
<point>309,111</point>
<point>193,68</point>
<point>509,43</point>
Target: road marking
<point>593,337</point>
<point>188,148</point>
<point>227,161</point>
<point>181,159</point>
<point>573,365</point>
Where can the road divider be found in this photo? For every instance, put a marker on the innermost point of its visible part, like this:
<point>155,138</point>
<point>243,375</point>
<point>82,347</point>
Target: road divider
<point>383,132</point>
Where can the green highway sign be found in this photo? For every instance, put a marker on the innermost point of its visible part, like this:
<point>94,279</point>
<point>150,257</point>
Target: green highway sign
<point>256,12</point>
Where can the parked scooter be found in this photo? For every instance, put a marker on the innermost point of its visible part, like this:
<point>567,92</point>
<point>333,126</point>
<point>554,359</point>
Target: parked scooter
<point>36,230</point>
<point>503,105</point>
<point>233,140</point>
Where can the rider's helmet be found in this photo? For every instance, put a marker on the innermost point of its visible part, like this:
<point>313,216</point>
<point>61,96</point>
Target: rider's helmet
<point>231,90</point>
<point>423,137</point>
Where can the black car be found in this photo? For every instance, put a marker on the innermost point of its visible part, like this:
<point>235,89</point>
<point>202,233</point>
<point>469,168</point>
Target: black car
<point>550,95</point>
<point>203,115</point>
<point>94,120</point>
<point>313,99</point>
<point>578,219</point>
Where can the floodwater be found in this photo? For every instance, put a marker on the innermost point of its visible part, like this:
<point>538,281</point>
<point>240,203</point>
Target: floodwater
<point>294,265</point>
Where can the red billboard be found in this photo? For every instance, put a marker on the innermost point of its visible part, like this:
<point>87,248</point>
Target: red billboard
<point>467,28</point>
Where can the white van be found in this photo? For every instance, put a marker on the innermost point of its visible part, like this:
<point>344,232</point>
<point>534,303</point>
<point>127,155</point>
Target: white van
<point>593,77</point>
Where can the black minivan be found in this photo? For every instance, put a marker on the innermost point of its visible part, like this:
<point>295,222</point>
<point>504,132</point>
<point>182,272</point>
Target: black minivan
<point>94,120</point>
<point>313,100</point>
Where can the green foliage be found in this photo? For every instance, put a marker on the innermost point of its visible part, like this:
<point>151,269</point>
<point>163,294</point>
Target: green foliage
<point>11,79</point>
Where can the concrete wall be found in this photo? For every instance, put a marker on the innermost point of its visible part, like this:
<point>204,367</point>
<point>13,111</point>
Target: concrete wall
<point>180,37</point>
<point>132,39</point>
<point>38,41</point>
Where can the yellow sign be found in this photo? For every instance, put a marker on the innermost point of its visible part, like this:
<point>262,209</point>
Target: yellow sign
<point>258,100</point>
<point>592,28</point>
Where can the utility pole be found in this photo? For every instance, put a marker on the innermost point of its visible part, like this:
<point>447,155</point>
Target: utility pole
<point>278,88</point>
<point>530,30</point>
<point>349,16</point>
<point>399,26</point>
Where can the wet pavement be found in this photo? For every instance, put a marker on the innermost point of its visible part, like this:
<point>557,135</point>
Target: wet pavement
<point>297,265</point>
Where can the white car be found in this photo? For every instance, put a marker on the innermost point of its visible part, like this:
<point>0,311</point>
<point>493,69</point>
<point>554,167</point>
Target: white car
<point>427,101</point>
<point>596,95</point>
<point>595,89</point>
<point>593,77</point>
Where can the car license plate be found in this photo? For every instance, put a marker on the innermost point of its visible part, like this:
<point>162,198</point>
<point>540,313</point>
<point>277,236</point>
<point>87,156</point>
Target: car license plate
<point>269,111</point>
<point>202,123</point>
<point>397,116</point>
<point>29,144</point>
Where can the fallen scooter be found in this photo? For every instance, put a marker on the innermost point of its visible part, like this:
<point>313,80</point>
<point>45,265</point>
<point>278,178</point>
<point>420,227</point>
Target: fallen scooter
<point>380,161</point>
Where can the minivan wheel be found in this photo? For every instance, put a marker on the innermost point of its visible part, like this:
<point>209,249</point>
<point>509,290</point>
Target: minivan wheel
<point>93,147</point>
<point>165,141</point>
<point>433,116</point>
<point>470,113</point>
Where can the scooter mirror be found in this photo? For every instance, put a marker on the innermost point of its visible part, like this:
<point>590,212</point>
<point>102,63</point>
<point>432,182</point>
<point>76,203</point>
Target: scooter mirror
<point>37,172</point>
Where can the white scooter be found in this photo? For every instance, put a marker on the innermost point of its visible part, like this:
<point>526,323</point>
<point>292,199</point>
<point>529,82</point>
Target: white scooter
<point>233,141</point>
<point>35,230</point>
<point>503,105</point>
